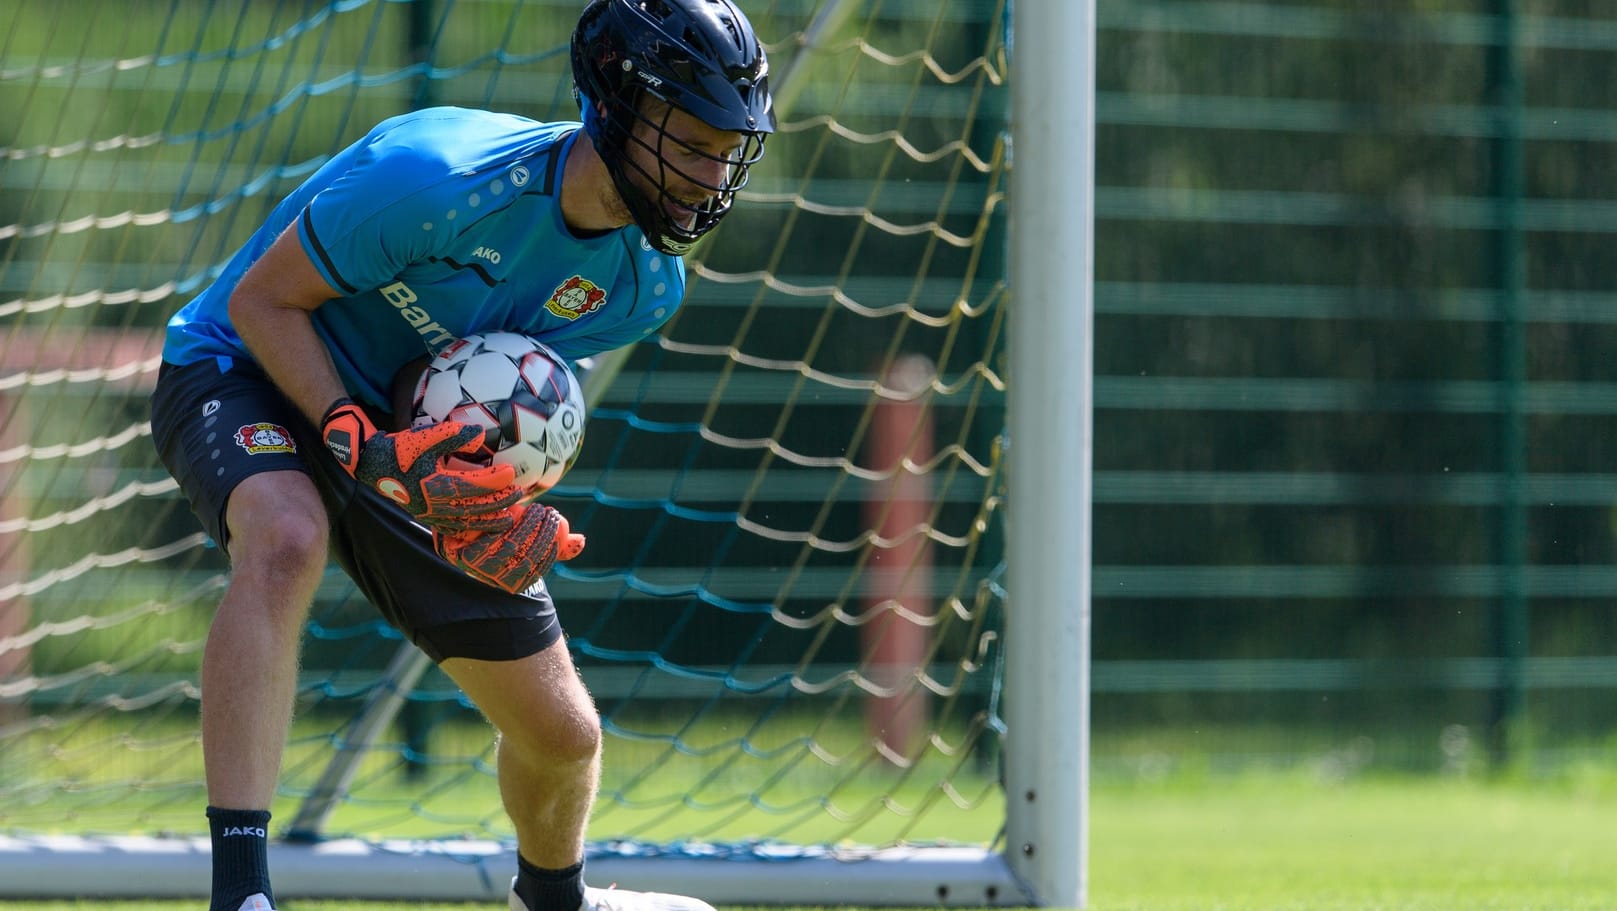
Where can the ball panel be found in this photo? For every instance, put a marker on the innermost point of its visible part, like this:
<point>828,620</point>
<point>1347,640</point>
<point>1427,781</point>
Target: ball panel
<point>527,421</point>
<point>548,478</point>
<point>455,352</point>
<point>478,415</point>
<point>519,391</point>
<point>441,392</point>
<point>513,345</point>
<point>488,376</point>
<point>544,380</point>
<point>564,433</point>
<point>528,464</point>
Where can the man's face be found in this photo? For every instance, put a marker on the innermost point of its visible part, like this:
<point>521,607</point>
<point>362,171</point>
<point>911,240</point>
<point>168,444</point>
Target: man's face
<point>680,160</point>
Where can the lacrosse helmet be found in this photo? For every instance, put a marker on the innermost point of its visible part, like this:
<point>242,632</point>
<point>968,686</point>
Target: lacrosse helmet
<point>699,56</point>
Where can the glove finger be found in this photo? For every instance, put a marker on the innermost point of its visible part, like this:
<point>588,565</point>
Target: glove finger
<point>476,573</point>
<point>447,497</point>
<point>488,559</point>
<point>568,544</point>
<point>449,544</point>
<point>514,559</point>
<point>569,547</point>
<point>495,522</point>
<point>453,546</point>
<point>488,477</point>
<point>434,442</point>
<point>521,555</point>
<point>538,530</point>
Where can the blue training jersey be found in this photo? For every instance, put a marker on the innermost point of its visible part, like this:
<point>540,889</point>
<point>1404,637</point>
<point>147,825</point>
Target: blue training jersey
<point>438,224</point>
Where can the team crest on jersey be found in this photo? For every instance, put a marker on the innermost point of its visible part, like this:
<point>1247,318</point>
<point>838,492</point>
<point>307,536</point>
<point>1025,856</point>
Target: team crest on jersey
<point>262,438</point>
<point>575,297</point>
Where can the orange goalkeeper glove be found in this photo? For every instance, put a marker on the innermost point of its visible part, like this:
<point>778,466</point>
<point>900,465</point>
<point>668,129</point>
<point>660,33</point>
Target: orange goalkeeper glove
<point>516,558</point>
<point>413,469</point>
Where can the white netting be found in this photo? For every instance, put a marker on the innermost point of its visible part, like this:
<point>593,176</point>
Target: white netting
<point>789,609</point>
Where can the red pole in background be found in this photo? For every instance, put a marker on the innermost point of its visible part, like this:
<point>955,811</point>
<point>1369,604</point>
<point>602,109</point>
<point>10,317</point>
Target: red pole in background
<point>899,508</point>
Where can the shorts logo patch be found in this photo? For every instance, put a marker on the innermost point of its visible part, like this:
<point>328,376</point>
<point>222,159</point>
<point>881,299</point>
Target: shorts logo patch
<point>262,438</point>
<point>575,297</point>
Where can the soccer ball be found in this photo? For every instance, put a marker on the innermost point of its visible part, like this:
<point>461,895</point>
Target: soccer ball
<point>521,393</point>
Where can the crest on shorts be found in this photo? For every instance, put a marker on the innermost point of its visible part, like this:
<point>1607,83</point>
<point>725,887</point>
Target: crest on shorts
<point>261,438</point>
<point>575,297</point>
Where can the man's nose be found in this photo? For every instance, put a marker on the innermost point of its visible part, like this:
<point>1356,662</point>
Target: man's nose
<point>710,175</point>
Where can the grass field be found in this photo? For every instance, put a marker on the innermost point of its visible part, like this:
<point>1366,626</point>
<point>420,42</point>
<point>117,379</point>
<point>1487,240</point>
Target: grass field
<point>1288,842</point>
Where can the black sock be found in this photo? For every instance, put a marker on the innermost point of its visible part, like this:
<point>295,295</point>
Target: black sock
<point>240,856</point>
<point>550,890</point>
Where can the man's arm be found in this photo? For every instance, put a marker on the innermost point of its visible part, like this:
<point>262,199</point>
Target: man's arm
<point>270,309</point>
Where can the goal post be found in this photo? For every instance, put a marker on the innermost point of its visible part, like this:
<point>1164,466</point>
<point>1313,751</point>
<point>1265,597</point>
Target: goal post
<point>1051,403</point>
<point>847,484</point>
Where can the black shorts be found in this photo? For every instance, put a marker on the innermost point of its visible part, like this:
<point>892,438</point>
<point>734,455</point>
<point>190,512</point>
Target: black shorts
<point>214,429</point>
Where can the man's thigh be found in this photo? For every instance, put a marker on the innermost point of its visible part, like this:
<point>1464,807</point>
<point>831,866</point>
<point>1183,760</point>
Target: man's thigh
<point>445,612</point>
<point>540,697</point>
<point>215,429</point>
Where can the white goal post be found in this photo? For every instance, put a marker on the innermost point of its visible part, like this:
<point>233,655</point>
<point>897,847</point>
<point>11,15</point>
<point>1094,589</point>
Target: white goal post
<point>1051,404</point>
<point>1040,858</point>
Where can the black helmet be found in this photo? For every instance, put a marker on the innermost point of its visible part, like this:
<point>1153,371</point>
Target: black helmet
<point>699,56</point>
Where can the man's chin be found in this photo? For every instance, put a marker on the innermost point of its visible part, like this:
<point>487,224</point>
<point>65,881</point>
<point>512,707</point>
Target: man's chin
<point>679,216</point>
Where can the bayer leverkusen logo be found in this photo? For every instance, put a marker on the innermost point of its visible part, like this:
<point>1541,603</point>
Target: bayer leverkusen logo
<point>575,297</point>
<point>261,438</point>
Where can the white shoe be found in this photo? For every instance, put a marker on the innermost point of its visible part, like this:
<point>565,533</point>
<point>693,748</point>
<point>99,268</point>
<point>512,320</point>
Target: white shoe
<point>255,902</point>
<point>624,900</point>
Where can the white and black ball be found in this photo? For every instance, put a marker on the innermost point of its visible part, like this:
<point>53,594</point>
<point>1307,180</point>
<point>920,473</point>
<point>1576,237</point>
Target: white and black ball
<point>521,393</point>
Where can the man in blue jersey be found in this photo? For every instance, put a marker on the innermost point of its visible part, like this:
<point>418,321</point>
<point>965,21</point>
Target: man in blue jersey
<point>272,405</point>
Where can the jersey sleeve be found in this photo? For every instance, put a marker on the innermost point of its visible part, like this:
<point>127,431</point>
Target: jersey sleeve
<point>394,206</point>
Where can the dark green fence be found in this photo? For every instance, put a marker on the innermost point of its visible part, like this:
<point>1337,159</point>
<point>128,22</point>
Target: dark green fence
<point>1355,361</point>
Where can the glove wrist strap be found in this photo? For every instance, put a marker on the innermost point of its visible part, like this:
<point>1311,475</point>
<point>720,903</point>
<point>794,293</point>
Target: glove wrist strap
<point>344,430</point>
<point>330,409</point>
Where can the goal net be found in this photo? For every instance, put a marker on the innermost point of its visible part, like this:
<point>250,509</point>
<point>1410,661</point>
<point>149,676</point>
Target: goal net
<point>792,607</point>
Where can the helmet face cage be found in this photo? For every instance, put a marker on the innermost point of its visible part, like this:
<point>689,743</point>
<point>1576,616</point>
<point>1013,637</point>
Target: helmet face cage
<point>675,208</point>
<point>634,63</point>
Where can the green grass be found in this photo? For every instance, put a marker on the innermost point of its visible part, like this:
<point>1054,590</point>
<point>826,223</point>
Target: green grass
<point>102,775</point>
<point>1267,842</point>
<point>1289,842</point>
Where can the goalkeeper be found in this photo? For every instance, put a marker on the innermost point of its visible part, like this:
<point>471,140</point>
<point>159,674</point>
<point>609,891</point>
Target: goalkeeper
<point>271,408</point>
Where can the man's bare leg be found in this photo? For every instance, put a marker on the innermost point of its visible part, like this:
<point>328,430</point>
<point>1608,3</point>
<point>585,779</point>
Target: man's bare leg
<point>549,747</point>
<point>549,769</point>
<point>278,536</point>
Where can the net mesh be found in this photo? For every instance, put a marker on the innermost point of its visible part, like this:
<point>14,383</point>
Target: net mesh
<point>789,608</point>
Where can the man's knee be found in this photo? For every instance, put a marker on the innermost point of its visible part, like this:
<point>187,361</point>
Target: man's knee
<point>538,704</point>
<point>292,543</point>
<point>569,736</point>
<point>279,531</point>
